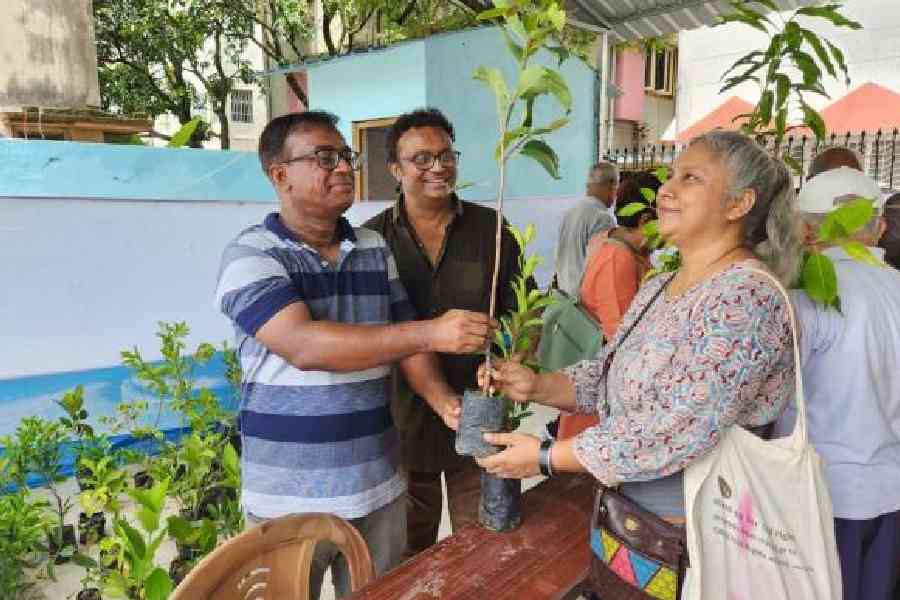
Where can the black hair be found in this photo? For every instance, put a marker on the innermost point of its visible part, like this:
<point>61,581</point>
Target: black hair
<point>421,117</point>
<point>629,192</point>
<point>273,137</point>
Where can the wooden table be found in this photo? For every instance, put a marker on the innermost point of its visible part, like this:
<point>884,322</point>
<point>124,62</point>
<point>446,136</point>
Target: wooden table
<point>545,558</point>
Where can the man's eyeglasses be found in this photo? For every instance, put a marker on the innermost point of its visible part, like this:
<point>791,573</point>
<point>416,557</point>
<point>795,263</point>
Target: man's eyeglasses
<point>424,161</point>
<point>329,159</point>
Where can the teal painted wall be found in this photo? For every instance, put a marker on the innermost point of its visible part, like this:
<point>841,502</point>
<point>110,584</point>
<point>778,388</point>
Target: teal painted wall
<point>451,59</point>
<point>32,168</point>
<point>371,85</point>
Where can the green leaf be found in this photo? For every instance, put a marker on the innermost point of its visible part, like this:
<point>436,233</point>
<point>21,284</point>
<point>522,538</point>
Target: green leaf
<point>747,59</point>
<point>530,233</point>
<point>811,71</point>
<point>783,88</point>
<point>651,228</point>
<point>813,40</point>
<point>531,81</point>
<point>852,216</point>
<point>781,122</point>
<point>813,120</point>
<point>158,585</point>
<point>183,135</point>
<point>839,59</point>
<point>514,48</point>
<point>764,108</point>
<point>134,539</point>
<point>553,126</point>
<point>562,54</point>
<point>829,12</point>
<point>115,585</point>
<point>544,155</point>
<point>662,173</point>
<point>859,252</point>
<point>557,86</point>
<point>742,18</point>
<point>632,209</point>
<point>556,16</point>
<point>493,78</point>
<point>649,195</point>
<point>493,13</point>
<point>820,279</point>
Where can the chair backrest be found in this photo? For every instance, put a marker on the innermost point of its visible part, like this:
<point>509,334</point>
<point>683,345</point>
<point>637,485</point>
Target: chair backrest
<point>272,561</point>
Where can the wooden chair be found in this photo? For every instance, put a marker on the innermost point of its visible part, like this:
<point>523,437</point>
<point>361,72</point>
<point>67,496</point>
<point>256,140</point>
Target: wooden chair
<point>272,561</point>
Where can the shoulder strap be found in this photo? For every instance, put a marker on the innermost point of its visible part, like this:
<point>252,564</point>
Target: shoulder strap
<point>799,437</point>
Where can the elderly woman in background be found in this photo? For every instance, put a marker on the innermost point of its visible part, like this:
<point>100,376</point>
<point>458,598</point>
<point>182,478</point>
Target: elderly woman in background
<point>697,352</point>
<point>617,261</point>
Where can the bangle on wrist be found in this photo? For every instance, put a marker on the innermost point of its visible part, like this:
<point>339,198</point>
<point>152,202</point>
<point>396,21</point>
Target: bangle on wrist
<point>544,458</point>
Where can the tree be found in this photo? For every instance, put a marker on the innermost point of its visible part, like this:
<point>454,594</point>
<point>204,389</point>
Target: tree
<point>141,55</point>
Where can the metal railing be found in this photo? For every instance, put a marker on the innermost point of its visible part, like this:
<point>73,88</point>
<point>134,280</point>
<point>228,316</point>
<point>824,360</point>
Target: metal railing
<point>878,150</point>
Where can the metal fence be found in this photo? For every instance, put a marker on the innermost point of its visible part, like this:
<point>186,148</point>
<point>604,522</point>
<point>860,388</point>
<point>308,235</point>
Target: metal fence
<point>879,152</point>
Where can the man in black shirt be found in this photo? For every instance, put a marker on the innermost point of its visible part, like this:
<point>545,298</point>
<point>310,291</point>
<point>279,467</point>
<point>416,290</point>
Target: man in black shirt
<point>444,248</point>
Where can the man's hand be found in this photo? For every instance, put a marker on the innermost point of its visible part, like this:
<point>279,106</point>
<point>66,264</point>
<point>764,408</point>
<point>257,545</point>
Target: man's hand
<point>461,332</point>
<point>448,408</point>
<point>517,461</point>
<point>512,379</point>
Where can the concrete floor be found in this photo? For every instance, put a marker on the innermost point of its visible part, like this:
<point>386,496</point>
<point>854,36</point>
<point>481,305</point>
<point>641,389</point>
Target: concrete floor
<point>68,577</point>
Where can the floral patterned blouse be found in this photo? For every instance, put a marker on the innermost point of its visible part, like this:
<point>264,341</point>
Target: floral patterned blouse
<point>719,354</point>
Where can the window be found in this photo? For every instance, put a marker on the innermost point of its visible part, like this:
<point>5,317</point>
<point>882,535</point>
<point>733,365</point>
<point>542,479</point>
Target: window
<point>660,68</point>
<point>198,102</point>
<point>242,106</point>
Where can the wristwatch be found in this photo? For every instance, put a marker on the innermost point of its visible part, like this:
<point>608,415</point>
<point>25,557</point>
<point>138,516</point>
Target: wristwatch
<point>544,458</point>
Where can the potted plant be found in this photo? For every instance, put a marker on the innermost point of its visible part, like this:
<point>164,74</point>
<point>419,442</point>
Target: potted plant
<point>23,534</point>
<point>139,577</point>
<point>527,27</point>
<point>106,484</point>
<point>37,449</point>
<point>481,413</point>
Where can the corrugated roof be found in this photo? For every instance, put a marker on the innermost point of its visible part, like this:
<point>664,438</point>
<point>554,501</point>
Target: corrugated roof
<point>629,20</point>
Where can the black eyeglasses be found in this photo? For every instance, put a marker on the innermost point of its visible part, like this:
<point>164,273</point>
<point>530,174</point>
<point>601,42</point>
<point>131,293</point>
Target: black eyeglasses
<point>424,161</point>
<point>329,159</point>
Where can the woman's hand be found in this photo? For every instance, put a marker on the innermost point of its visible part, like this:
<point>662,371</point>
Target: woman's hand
<point>518,461</point>
<point>512,379</point>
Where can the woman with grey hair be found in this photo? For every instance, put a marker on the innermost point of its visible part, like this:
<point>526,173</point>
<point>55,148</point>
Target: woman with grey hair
<point>698,351</point>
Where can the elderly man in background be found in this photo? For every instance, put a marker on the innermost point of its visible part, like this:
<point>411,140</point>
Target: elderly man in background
<point>834,157</point>
<point>581,222</point>
<point>851,370</point>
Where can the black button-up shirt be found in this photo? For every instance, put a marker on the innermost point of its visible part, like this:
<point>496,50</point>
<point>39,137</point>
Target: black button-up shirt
<point>461,278</point>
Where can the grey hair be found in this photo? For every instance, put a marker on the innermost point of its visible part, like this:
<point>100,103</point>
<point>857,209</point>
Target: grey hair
<point>603,172</point>
<point>771,228</point>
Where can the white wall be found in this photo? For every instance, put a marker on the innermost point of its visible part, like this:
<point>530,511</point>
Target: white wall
<point>47,54</point>
<point>873,54</point>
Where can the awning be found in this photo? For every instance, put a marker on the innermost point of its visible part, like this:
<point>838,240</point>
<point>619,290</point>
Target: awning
<point>628,20</point>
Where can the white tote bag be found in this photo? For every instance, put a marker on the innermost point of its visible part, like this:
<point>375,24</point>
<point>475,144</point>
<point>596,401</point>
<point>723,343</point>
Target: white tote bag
<point>760,523</point>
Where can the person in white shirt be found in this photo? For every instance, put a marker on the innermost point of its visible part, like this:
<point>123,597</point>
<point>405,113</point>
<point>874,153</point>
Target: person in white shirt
<point>851,370</point>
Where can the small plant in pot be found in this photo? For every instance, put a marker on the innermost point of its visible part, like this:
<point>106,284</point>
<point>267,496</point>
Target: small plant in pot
<point>106,484</point>
<point>37,449</point>
<point>138,576</point>
<point>528,27</point>
<point>23,536</point>
<point>483,413</point>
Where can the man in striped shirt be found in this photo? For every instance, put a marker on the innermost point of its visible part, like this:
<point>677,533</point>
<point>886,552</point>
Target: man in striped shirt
<point>320,316</point>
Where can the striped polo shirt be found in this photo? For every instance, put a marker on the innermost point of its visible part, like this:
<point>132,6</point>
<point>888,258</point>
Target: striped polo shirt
<point>313,441</point>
